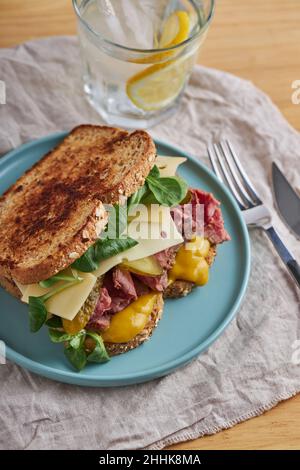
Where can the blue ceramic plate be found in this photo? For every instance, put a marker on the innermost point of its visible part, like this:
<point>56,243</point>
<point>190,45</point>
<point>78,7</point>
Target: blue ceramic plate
<point>188,326</point>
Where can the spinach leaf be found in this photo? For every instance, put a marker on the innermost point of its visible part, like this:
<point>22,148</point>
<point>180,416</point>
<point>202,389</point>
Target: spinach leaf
<point>57,336</point>
<point>87,262</point>
<point>99,354</point>
<point>37,313</point>
<point>167,191</point>
<point>143,193</point>
<point>77,341</point>
<point>58,277</point>
<point>101,250</point>
<point>37,308</point>
<point>77,357</point>
<point>48,282</point>
<point>154,172</point>
<point>105,249</point>
<point>137,197</point>
<point>149,199</point>
<point>110,245</point>
<point>54,322</point>
<point>75,350</point>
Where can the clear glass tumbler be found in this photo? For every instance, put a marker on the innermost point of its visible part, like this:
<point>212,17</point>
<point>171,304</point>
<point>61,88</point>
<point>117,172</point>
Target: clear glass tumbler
<point>138,55</point>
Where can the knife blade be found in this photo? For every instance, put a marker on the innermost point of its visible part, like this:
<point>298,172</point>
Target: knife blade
<point>287,200</point>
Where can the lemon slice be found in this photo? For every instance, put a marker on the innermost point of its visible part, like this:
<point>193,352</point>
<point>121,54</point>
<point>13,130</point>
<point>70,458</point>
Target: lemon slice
<point>157,86</point>
<point>176,29</point>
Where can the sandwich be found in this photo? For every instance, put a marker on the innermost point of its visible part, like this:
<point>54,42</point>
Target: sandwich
<point>94,238</point>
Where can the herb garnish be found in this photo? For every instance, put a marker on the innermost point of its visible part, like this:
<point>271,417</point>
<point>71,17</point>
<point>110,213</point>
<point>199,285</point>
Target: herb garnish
<point>101,250</point>
<point>62,276</point>
<point>75,349</point>
<point>167,191</point>
<point>37,308</point>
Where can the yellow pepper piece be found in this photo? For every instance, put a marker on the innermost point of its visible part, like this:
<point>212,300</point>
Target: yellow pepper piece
<point>190,264</point>
<point>128,323</point>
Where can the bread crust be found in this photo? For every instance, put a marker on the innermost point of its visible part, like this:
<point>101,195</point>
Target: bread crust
<point>9,285</point>
<point>115,349</point>
<point>55,211</point>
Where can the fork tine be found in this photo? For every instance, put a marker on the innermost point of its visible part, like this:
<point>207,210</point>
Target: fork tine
<point>251,190</point>
<point>236,176</point>
<point>229,179</point>
<point>211,154</point>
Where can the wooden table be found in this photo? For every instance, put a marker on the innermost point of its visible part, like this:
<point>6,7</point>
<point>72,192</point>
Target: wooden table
<point>256,39</point>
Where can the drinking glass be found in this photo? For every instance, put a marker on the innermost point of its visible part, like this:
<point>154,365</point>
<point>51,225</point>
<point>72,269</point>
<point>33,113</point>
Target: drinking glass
<point>137,55</point>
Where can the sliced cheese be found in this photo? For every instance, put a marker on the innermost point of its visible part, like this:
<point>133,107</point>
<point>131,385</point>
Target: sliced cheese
<point>21,287</point>
<point>153,219</point>
<point>160,224</point>
<point>168,165</point>
<point>67,303</point>
<point>166,237</point>
<point>154,233</point>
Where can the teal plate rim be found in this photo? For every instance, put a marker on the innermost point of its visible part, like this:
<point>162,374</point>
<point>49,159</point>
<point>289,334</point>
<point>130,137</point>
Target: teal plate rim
<point>162,370</point>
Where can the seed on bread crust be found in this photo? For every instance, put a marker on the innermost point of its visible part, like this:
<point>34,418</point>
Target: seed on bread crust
<point>178,289</point>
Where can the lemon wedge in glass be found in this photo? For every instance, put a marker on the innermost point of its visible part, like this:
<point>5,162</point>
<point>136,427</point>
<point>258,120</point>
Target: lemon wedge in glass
<point>176,29</point>
<point>158,85</point>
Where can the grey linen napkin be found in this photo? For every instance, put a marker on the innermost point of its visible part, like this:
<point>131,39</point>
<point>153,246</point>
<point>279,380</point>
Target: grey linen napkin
<point>253,365</point>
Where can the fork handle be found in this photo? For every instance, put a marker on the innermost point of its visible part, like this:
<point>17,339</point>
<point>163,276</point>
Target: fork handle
<point>290,262</point>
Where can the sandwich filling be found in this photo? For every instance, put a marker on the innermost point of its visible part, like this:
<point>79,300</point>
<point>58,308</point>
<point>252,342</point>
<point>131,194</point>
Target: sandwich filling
<point>109,295</point>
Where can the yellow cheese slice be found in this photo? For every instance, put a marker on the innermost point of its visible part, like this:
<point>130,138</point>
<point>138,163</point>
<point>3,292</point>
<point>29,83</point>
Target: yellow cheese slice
<point>21,287</point>
<point>168,165</point>
<point>67,303</point>
<point>166,237</point>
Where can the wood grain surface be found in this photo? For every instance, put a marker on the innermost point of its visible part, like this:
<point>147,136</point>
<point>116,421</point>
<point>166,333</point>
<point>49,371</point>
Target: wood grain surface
<point>258,40</point>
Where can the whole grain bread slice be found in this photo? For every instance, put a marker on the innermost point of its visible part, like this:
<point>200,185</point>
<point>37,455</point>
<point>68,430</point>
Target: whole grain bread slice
<point>55,211</point>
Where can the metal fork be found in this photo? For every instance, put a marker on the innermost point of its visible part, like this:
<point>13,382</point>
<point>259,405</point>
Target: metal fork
<point>230,171</point>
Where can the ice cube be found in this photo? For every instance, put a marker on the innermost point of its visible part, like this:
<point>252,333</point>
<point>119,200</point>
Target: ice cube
<point>111,27</point>
<point>131,23</point>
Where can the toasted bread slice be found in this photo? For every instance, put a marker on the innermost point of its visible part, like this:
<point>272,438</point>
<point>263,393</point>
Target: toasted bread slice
<point>114,349</point>
<point>181,288</point>
<point>10,286</point>
<point>55,211</point>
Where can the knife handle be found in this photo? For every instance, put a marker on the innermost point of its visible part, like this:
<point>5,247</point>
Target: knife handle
<point>295,270</point>
<point>291,264</point>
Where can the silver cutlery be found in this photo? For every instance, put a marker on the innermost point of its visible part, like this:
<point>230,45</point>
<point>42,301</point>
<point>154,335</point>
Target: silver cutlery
<point>230,171</point>
<point>287,201</point>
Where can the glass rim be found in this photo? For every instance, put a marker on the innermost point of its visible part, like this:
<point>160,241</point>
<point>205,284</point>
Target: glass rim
<point>146,51</point>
